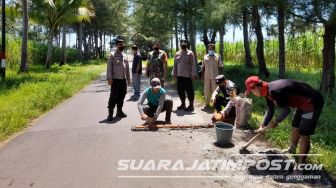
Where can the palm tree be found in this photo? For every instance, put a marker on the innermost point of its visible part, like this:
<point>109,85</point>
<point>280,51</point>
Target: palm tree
<point>63,59</point>
<point>24,49</point>
<point>54,14</point>
<point>83,14</point>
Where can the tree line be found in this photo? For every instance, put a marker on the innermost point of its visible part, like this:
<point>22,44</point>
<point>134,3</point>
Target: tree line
<point>145,21</point>
<point>50,21</point>
<point>167,19</point>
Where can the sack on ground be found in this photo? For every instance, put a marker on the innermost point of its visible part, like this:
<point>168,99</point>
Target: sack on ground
<point>243,111</point>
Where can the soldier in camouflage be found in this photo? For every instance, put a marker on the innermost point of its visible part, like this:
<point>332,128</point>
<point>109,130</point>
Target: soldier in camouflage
<point>157,64</point>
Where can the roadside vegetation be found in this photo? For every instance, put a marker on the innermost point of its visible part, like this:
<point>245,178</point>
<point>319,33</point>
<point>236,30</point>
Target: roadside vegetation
<point>43,66</point>
<point>52,51</point>
<point>304,64</point>
<point>26,96</point>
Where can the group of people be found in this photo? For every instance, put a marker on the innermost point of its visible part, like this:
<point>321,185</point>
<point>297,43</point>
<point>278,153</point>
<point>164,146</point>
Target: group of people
<point>284,93</point>
<point>184,72</point>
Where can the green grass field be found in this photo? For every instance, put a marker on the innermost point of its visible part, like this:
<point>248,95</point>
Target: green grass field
<point>26,96</point>
<point>324,140</point>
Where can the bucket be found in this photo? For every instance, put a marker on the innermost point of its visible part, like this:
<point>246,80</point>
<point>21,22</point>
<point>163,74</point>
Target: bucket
<point>223,133</point>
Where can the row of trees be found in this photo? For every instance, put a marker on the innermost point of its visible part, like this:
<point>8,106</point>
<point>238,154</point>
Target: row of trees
<point>165,19</point>
<point>144,21</point>
<point>49,21</point>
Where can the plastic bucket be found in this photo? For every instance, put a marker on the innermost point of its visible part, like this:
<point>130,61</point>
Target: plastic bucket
<point>223,133</point>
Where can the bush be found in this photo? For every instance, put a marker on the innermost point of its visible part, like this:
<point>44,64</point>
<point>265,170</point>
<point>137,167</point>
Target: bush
<point>37,53</point>
<point>302,51</point>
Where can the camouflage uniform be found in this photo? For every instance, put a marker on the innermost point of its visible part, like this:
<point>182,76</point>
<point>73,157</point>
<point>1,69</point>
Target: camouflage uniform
<point>156,65</point>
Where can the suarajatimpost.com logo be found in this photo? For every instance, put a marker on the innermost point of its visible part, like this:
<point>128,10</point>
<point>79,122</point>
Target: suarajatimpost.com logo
<point>235,162</point>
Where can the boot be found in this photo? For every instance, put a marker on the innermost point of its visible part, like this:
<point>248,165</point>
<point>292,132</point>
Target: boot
<point>182,107</point>
<point>190,108</point>
<point>110,116</point>
<point>167,122</point>
<point>120,113</point>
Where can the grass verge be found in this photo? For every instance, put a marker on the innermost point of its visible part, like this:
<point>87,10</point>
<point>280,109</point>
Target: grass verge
<point>26,96</point>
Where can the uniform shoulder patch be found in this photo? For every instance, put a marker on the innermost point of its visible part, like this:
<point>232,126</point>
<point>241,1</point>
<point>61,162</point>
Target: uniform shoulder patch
<point>190,52</point>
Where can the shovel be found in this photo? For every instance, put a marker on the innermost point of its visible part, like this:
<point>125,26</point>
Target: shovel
<point>253,139</point>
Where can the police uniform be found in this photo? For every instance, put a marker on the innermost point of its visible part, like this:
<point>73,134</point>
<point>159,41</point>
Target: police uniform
<point>221,95</point>
<point>211,66</point>
<point>184,69</point>
<point>118,72</point>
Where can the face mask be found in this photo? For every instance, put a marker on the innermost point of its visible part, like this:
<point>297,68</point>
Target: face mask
<point>184,46</point>
<point>121,48</point>
<point>156,48</point>
<point>211,52</point>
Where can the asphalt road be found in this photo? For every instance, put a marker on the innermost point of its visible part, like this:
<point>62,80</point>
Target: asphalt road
<point>72,146</point>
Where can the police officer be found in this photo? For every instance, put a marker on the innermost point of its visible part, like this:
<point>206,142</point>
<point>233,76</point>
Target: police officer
<point>185,72</point>
<point>221,96</point>
<point>117,75</point>
<point>157,64</point>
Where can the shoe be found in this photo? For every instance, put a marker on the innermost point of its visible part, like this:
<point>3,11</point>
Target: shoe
<point>109,117</point>
<point>121,114</point>
<point>190,108</point>
<point>167,122</point>
<point>182,107</point>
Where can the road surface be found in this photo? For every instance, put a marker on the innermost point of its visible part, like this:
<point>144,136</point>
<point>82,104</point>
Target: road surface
<point>73,146</point>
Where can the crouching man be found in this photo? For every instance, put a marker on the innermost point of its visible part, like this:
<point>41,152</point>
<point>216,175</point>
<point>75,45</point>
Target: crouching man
<point>157,103</point>
<point>221,96</point>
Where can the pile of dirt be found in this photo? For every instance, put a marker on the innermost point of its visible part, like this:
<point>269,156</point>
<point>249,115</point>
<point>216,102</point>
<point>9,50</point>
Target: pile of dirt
<point>258,151</point>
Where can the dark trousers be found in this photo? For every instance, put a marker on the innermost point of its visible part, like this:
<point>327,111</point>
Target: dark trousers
<point>167,106</point>
<point>117,95</point>
<point>222,102</point>
<point>185,84</point>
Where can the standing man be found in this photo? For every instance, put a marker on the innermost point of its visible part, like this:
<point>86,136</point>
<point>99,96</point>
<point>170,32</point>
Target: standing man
<point>117,75</point>
<point>136,73</point>
<point>157,64</point>
<point>185,72</point>
<point>212,66</point>
<point>286,94</point>
<point>157,103</point>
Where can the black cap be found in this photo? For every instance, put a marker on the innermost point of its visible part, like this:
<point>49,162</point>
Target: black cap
<point>119,41</point>
<point>184,41</point>
<point>220,78</point>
